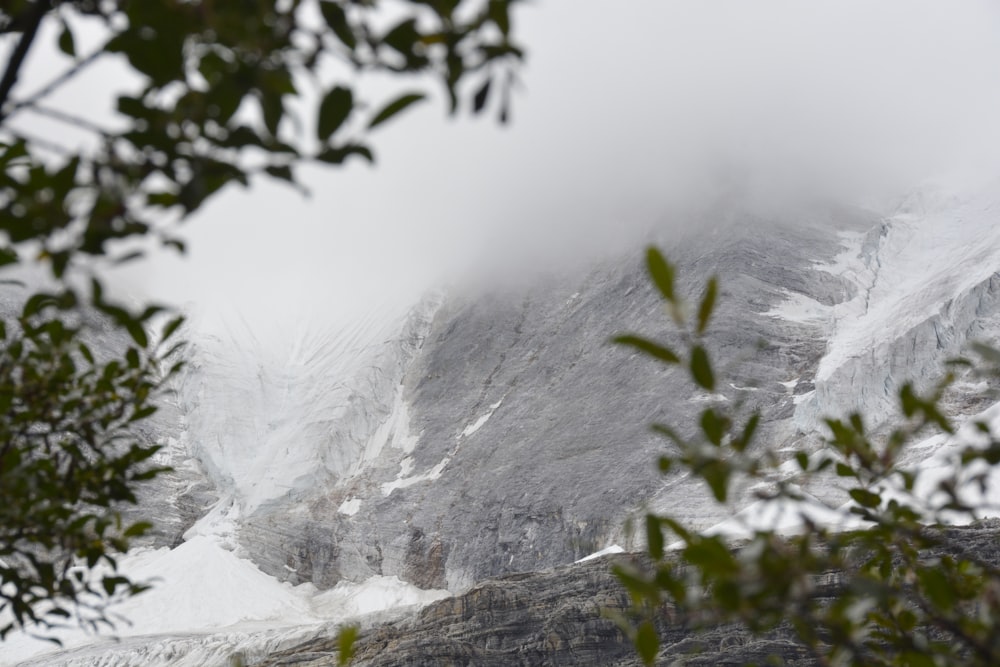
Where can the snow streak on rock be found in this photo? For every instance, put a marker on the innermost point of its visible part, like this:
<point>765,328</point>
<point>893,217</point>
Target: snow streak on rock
<point>923,286</point>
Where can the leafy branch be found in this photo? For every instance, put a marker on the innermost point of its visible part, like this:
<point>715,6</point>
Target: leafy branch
<point>878,580</point>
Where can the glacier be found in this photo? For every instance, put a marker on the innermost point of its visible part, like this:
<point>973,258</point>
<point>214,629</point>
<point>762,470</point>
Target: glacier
<point>356,473</point>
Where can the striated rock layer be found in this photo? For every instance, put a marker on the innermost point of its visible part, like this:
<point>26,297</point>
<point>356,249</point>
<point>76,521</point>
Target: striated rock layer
<point>559,617</point>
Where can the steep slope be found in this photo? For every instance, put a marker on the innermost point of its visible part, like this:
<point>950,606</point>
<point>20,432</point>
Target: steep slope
<point>535,430</point>
<point>495,432</point>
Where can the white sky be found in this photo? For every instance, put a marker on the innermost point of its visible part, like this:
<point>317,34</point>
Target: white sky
<point>627,105</point>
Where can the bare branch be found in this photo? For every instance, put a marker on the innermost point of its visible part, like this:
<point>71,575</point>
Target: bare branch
<point>69,119</point>
<point>33,19</point>
<point>50,87</point>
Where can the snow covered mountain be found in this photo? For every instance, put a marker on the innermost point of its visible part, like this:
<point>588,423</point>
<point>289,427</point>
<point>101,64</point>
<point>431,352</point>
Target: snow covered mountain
<point>479,433</point>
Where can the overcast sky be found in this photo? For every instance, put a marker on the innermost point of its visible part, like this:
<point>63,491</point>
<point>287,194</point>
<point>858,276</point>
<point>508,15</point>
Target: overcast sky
<point>626,106</point>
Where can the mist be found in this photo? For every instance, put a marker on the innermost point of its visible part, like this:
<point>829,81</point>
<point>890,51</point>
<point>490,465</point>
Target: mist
<point>628,112</point>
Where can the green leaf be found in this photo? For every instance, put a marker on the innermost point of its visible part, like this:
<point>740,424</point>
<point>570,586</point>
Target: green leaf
<point>345,644</point>
<point>337,155</point>
<point>677,528</point>
<point>499,14</point>
<point>670,433</point>
<point>175,243</point>
<point>937,587</point>
<point>647,643</point>
<point>129,257</point>
<point>741,443</point>
<point>142,413</point>
<point>865,498</point>
<point>273,109</point>
<point>137,332</point>
<point>7,255</point>
<point>647,346</point>
<point>336,18</point>
<point>701,368</point>
<point>713,426</point>
<point>479,100</point>
<point>171,327</point>
<point>908,400</point>
<point>280,171</point>
<point>403,37</point>
<point>333,111</point>
<point>716,475</point>
<point>654,537</point>
<point>157,50</point>
<point>394,107</point>
<point>638,586</point>
<point>707,304</point>
<point>138,529</point>
<point>66,42</point>
<point>662,273</point>
<point>711,555</point>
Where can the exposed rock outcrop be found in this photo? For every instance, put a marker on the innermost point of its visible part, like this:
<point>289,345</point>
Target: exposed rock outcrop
<point>558,617</point>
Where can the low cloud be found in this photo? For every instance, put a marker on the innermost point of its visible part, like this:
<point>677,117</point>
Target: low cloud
<point>628,110</point>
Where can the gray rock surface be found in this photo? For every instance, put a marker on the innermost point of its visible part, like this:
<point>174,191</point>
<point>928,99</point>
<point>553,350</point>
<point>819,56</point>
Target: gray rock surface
<point>498,432</point>
<point>564,455</point>
<point>558,617</point>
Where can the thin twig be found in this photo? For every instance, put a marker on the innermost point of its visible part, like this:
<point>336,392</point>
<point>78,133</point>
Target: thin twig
<point>69,119</point>
<point>55,83</point>
<point>33,20</point>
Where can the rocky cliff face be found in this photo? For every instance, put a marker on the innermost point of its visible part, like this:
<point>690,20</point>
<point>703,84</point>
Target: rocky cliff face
<point>560,617</point>
<point>496,432</point>
<point>519,438</point>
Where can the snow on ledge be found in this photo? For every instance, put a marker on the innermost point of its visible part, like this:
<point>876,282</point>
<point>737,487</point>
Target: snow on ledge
<point>478,424</point>
<point>613,549</point>
<point>403,482</point>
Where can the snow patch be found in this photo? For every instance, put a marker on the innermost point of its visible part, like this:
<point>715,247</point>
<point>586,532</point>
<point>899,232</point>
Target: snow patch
<point>404,482</point>
<point>613,549</point>
<point>478,424</point>
<point>785,516</point>
<point>708,398</point>
<point>800,308</point>
<point>394,431</point>
<point>375,594</point>
<point>211,602</point>
<point>350,506</point>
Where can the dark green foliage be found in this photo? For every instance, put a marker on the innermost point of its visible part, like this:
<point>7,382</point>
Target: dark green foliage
<point>394,107</point>
<point>895,587</point>
<point>212,108</point>
<point>201,62</point>
<point>69,460</point>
